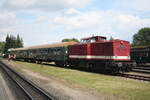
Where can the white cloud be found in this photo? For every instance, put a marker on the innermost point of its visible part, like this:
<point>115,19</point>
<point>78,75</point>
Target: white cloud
<point>50,5</point>
<point>139,5</point>
<point>49,26</point>
<point>107,23</point>
<point>73,23</point>
<point>79,20</point>
<point>7,23</point>
<point>7,19</point>
<point>71,12</point>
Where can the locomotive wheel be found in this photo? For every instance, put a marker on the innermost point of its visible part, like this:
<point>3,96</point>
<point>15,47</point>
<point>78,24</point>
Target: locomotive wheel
<point>115,71</point>
<point>90,66</point>
<point>128,69</point>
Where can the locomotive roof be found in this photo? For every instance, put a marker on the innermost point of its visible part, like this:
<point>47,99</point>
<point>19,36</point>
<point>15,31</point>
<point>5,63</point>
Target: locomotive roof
<point>93,37</point>
<point>63,44</point>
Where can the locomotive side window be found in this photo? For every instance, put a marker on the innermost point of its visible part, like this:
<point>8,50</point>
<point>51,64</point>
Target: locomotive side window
<point>92,40</point>
<point>84,41</point>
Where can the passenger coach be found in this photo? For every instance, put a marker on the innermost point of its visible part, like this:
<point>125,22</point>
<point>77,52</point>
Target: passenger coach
<point>141,54</point>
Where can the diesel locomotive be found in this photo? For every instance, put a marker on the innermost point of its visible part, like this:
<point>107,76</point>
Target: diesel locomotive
<point>93,53</point>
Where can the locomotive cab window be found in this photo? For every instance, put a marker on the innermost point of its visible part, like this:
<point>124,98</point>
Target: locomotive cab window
<point>90,40</point>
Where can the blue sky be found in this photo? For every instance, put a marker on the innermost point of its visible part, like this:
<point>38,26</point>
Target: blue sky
<point>49,21</point>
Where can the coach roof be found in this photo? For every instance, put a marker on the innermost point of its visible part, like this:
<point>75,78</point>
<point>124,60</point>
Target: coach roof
<point>63,44</point>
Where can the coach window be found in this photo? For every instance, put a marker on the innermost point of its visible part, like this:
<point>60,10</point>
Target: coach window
<point>43,51</point>
<point>49,50</point>
<point>40,51</point>
<point>54,51</point>
<point>147,54</point>
<point>46,51</point>
<point>58,51</point>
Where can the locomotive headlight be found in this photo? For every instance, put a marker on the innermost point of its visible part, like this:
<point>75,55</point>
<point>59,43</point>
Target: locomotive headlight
<point>119,64</point>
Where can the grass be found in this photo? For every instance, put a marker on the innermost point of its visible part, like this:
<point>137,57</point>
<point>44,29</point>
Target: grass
<point>120,87</point>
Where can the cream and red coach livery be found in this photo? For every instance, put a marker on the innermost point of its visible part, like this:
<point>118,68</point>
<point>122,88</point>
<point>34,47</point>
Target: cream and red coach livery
<point>98,52</point>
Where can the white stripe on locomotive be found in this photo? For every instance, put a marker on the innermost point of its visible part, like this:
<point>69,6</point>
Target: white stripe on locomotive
<point>99,57</point>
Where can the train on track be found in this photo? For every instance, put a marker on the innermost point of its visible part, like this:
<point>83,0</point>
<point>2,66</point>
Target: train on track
<point>140,54</point>
<point>93,53</point>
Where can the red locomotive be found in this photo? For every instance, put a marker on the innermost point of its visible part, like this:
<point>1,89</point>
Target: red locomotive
<point>97,52</point>
<point>92,53</point>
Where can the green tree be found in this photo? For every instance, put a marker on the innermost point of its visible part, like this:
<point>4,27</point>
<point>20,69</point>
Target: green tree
<point>7,44</point>
<point>111,38</point>
<point>68,40</point>
<point>12,42</point>
<point>142,37</point>
<point>19,41</point>
<point>2,44</point>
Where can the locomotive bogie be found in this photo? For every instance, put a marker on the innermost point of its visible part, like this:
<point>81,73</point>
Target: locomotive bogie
<point>103,65</point>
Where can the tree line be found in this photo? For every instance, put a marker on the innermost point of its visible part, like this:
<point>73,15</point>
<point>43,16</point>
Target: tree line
<point>2,44</point>
<point>68,40</point>
<point>12,42</point>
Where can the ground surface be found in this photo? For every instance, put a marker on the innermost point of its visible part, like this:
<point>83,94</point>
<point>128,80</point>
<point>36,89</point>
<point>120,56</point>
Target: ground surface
<point>67,84</point>
<point>5,93</point>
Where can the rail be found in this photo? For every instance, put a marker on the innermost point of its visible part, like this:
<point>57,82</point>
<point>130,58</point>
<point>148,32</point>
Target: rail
<point>137,77</point>
<point>32,91</point>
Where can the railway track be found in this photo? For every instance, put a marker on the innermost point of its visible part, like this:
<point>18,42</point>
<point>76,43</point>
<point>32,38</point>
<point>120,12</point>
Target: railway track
<point>32,91</point>
<point>142,69</point>
<point>144,65</point>
<point>137,77</point>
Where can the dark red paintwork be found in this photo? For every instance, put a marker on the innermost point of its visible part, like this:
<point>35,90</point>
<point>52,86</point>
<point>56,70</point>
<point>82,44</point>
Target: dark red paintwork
<point>101,47</point>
